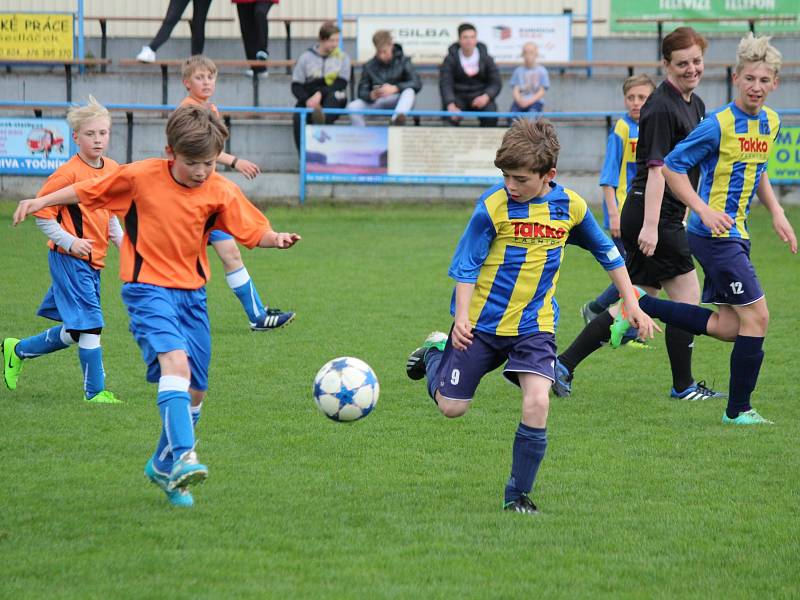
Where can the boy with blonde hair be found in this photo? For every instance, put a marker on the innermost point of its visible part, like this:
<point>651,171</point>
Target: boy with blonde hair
<point>78,245</point>
<point>529,82</point>
<point>170,206</point>
<point>200,80</point>
<point>506,267</point>
<point>731,146</point>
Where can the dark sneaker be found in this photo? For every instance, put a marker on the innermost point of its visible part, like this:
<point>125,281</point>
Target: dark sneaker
<point>587,314</point>
<point>562,386</point>
<point>274,318</point>
<point>697,391</point>
<point>523,504</point>
<point>415,365</point>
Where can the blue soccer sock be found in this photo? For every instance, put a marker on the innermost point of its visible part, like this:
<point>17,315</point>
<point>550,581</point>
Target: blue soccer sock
<point>90,354</point>
<point>195,412</point>
<point>433,358</point>
<point>50,340</point>
<point>607,297</point>
<point>688,317</point>
<point>173,404</point>
<point>242,285</point>
<point>162,457</point>
<point>530,444</point>
<point>746,359</point>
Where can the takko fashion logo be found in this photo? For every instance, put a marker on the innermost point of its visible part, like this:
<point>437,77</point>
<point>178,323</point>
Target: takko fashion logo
<point>536,232</point>
<point>753,145</point>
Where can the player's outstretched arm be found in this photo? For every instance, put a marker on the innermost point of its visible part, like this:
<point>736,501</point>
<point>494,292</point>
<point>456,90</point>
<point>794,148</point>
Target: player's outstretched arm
<point>636,316</point>
<point>243,166</point>
<point>279,240</point>
<point>29,206</point>
<point>780,223</point>
<point>716,221</point>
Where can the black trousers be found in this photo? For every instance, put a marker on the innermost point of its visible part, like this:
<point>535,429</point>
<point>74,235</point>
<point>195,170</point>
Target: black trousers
<point>463,102</point>
<point>254,27</point>
<point>174,13</point>
<point>329,100</point>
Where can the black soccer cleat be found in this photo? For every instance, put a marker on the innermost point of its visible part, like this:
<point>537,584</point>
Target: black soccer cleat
<point>523,504</point>
<point>415,365</point>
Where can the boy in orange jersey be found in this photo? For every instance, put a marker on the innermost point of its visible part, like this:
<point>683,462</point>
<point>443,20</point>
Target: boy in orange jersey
<point>170,207</point>
<point>78,244</point>
<point>200,80</point>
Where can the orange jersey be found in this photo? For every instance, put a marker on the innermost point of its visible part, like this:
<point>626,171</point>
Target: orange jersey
<point>167,224</point>
<point>209,105</point>
<point>75,219</point>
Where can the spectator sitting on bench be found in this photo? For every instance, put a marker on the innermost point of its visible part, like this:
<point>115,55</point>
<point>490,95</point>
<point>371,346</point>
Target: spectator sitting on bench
<point>388,80</point>
<point>469,78</point>
<point>529,82</point>
<point>320,78</point>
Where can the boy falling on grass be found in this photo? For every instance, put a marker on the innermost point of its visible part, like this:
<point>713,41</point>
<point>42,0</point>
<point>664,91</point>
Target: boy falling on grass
<point>506,267</point>
<point>200,81</point>
<point>731,147</point>
<point>170,207</point>
<point>78,243</point>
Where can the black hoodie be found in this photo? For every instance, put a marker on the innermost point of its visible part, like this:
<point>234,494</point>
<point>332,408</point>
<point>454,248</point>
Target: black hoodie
<point>399,72</point>
<point>453,81</point>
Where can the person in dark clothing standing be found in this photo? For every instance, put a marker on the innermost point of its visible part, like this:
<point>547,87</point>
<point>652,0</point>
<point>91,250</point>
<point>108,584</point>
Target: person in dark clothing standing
<point>174,12</point>
<point>255,30</point>
<point>469,78</point>
<point>388,80</point>
<point>320,78</point>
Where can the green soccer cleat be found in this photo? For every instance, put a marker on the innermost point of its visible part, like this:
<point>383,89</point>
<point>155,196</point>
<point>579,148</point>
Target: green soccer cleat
<point>415,364</point>
<point>751,417</point>
<point>637,344</point>
<point>621,323</point>
<point>12,364</point>
<point>104,397</point>
<point>176,497</point>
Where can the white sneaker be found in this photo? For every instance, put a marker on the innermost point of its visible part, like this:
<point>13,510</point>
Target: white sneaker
<point>146,55</point>
<point>262,75</point>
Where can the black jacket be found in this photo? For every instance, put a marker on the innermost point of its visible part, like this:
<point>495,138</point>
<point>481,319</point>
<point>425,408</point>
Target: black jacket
<point>453,81</point>
<point>399,72</point>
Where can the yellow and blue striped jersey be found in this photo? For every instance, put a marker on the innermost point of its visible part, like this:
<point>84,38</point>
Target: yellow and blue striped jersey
<point>620,161</point>
<point>731,148</point>
<point>512,252</point>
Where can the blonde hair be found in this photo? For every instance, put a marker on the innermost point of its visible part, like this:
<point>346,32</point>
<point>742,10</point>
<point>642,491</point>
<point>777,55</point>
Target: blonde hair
<point>531,145</point>
<point>78,115</point>
<point>640,79</point>
<point>758,49</point>
<point>195,63</point>
<point>196,132</point>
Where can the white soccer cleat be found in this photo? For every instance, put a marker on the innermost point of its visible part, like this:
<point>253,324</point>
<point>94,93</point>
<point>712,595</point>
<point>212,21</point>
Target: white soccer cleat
<point>146,55</point>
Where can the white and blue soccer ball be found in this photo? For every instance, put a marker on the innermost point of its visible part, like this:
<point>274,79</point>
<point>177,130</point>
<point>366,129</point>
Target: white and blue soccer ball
<point>346,389</point>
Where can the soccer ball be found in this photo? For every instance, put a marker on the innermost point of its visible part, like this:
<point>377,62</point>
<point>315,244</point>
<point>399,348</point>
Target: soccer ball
<point>346,389</point>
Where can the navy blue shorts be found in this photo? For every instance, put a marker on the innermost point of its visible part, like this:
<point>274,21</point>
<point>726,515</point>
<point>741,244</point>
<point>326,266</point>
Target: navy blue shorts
<point>74,295</point>
<point>730,277</point>
<point>461,370</point>
<point>165,319</point>
<point>217,235</point>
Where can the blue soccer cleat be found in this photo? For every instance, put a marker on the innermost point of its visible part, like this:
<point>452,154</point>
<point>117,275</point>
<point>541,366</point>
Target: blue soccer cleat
<point>697,391</point>
<point>176,497</point>
<point>273,318</point>
<point>562,386</point>
<point>187,471</point>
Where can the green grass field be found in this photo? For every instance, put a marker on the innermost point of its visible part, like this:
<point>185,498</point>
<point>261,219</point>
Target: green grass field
<point>642,497</point>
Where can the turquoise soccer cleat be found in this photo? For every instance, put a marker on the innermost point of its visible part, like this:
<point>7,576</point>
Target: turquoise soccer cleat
<point>12,364</point>
<point>750,417</point>
<point>187,471</point>
<point>621,324</point>
<point>176,497</point>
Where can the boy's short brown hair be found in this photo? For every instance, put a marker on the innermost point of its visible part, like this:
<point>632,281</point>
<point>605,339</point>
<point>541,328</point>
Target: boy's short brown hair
<point>328,29</point>
<point>382,38</point>
<point>196,132</point>
<point>640,79</point>
<point>195,63</point>
<point>531,145</point>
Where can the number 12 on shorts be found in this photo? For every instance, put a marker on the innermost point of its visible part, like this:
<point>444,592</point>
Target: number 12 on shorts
<point>736,287</point>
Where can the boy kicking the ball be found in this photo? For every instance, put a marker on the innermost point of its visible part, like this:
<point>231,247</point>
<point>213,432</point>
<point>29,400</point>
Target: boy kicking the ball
<point>506,267</point>
<point>170,206</point>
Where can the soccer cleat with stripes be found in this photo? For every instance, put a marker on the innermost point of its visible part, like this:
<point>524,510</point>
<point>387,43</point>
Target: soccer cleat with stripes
<point>187,471</point>
<point>176,497</point>
<point>12,364</point>
<point>697,391</point>
<point>104,397</point>
<point>750,417</point>
<point>562,386</point>
<point>415,365</point>
<point>523,504</point>
<point>274,318</point>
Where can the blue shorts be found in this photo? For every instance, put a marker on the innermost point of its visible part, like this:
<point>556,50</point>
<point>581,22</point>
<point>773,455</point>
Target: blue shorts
<point>165,319</point>
<point>461,370</point>
<point>217,235</point>
<point>729,275</point>
<point>74,295</point>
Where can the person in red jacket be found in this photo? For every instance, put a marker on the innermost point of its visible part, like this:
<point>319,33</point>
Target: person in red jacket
<point>255,30</point>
